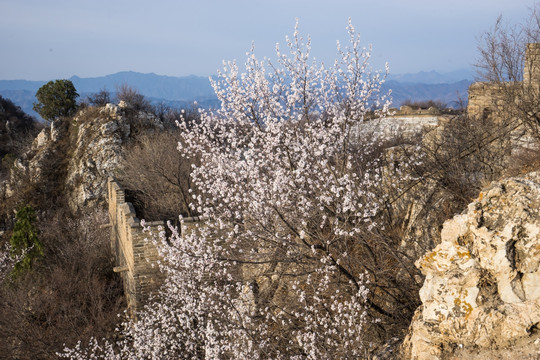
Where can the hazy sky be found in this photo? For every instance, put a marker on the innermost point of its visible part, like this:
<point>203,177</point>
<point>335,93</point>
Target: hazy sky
<point>50,39</point>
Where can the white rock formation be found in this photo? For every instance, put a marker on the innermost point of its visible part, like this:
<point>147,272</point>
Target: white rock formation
<point>481,294</point>
<point>79,155</point>
<point>406,126</point>
<point>99,149</point>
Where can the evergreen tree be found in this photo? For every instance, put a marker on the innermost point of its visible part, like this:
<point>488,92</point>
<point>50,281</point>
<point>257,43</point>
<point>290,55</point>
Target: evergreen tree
<point>56,99</point>
<point>25,244</point>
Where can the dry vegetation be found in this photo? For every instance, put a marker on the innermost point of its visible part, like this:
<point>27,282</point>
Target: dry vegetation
<point>157,177</point>
<point>70,294</point>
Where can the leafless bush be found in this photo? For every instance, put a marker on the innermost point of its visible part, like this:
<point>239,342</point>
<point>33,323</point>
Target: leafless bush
<point>170,115</point>
<point>523,161</point>
<point>465,154</point>
<point>101,98</point>
<point>426,104</point>
<point>158,177</point>
<point>133,98</point>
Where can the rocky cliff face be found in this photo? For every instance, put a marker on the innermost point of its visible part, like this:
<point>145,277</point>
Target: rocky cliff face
<point>481,295</point>
<point>100,143</point>
<point>77,156</point>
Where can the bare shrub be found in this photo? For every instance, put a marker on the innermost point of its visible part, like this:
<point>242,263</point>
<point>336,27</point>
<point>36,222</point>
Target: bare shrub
<point>101,98</point>
<point>171,115</point>
<point>426,104</point>
<point>158,177</point>
<point>523,161</point>
<point>133,98</point>
<point>466,154</point>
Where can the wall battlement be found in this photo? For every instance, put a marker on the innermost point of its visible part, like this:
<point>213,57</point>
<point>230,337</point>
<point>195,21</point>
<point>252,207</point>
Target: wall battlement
<point>136,257</point>
<point>531,69</point>
<point>486,99</point>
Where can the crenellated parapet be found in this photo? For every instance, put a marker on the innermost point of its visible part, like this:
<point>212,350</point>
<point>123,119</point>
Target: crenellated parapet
<point>531,68</point>
<point>136,256</point>
<point>487,99</point>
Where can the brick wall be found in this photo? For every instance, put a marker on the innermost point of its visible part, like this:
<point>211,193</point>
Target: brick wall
<point>136,256</point>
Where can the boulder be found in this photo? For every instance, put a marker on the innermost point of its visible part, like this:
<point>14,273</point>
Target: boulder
<point>481,294</point>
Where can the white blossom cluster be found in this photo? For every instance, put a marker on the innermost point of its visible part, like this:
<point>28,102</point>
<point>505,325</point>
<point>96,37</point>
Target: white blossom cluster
<point>291,194</point>
<point>8,260</point>
<point>6,263</point>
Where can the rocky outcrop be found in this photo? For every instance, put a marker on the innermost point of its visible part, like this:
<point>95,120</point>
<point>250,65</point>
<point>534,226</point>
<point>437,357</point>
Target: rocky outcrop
<point>78,155</point>
<point>481,295</point>
<point>100,142</point>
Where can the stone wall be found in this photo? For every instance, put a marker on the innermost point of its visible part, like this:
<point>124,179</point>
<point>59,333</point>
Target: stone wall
<point>485,99</point>
<point>408,110</point>
<point>406,123</point>
<point>489,99</point>
<point>531,69</point>
<point>405,126</point>
<point>136,255</point>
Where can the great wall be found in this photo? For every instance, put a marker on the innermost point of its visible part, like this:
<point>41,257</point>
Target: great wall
<point>489,99</point>
<point>136,255</point>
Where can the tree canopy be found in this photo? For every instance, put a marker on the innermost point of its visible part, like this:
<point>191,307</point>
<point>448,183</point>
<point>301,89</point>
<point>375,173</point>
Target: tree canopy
<point>56,99</point>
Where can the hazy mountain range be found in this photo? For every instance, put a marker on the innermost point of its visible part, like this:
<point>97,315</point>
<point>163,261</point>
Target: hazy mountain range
<point>180,91</point>
<point>434,77</point>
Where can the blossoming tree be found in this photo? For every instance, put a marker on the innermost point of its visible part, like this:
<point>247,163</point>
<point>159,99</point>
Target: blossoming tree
<point>289,261</point>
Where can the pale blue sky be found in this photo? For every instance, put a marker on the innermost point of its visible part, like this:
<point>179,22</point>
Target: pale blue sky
<point>50,39</point>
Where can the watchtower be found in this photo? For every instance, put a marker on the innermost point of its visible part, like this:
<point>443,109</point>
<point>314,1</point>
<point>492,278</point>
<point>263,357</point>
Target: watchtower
<point>531,69</point>
<point>491,99</point>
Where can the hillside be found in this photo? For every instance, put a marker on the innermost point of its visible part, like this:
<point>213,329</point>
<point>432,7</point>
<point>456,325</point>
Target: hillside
<point>17,130</point>
<point>70,291</point>
<point>64,175</point>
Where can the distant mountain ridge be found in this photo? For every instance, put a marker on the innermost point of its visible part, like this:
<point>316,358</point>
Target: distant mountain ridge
<point>180,91</point>
<point>453,95</point>
<point>434,77</point>
<point>150,85</point>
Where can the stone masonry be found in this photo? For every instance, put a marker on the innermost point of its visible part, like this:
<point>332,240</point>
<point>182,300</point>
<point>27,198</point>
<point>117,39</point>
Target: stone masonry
<point>136,256</point>
<point>488,99</point>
